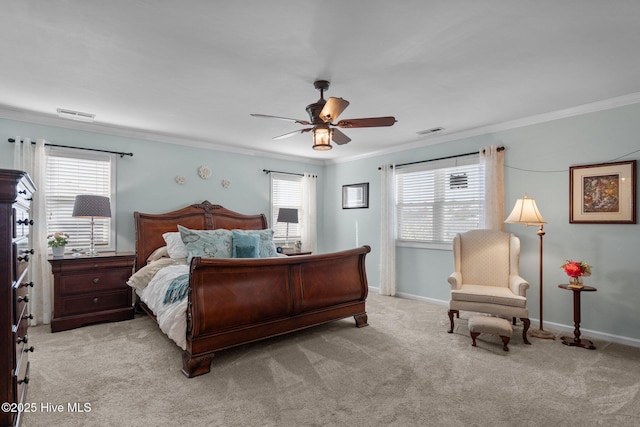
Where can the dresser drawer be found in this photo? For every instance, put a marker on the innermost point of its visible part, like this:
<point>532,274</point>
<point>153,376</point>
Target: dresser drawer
<point>93,281</point>
<point>22,222</point>
<point>91,303</point>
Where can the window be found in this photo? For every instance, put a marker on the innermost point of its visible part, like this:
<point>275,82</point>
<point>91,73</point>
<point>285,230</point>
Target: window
<point>435,200</point>
<point>286,192</point>
<point>73,172</point>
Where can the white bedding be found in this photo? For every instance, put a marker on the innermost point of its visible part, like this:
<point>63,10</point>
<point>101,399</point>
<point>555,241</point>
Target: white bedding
<point>171,317</point>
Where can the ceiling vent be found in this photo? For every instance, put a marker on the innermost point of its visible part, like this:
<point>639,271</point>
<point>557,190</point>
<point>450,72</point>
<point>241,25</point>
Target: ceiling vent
<point>75,115</point>
<point>429,131</point>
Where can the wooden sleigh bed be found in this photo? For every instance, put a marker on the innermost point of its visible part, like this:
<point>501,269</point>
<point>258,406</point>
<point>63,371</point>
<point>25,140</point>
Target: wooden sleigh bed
<point>235,301</point>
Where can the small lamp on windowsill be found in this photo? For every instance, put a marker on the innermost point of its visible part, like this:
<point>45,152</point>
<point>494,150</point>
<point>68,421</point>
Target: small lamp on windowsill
<point>526,212</point>
<point>91,206</point>
<point>290,216</point>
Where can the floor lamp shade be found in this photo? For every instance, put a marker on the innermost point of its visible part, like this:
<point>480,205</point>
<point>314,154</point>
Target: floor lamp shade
<point>526,212</point>
<point>91,206</point>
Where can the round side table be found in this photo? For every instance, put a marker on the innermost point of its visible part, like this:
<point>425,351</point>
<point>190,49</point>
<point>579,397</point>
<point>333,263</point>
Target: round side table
<point>576,341</point>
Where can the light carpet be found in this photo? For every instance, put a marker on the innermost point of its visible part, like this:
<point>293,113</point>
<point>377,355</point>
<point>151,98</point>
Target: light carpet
<point>402,370</point>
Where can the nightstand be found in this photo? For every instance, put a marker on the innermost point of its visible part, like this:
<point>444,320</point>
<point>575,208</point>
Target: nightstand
<point>294,252</point>
<point>91,289</point>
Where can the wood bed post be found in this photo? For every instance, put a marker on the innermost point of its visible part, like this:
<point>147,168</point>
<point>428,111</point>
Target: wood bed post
<point>192,366</point>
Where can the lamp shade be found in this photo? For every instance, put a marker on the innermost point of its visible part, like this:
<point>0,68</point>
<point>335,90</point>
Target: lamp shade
<point>526,212</point>
<point>321,138</point>
<point>288,215</point>
<point>92,206</point>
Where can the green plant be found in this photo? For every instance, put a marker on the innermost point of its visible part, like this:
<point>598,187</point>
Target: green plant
<point>57,239</point>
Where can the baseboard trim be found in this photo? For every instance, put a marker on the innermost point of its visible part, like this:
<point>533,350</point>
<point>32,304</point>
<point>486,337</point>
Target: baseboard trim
<point>556,327</point>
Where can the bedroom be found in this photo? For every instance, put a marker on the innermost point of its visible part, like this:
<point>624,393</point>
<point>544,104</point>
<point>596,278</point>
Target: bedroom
<point>540,149</point>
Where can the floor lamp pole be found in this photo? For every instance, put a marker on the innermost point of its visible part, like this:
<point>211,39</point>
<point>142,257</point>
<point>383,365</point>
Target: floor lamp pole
<point>541,333</point>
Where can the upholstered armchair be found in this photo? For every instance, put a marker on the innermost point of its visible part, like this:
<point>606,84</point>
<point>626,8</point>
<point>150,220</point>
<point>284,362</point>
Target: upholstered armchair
<point>486,278</point>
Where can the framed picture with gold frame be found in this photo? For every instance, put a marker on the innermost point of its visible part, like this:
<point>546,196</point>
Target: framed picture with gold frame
<point>603,193</point>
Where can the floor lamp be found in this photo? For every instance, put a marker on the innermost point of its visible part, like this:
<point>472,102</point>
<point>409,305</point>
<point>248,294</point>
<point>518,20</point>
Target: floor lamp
<point>526,212</point>
<point>90,206</point>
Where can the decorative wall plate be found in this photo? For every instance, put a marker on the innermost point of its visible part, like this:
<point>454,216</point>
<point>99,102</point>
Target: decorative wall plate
<point>204,172</point>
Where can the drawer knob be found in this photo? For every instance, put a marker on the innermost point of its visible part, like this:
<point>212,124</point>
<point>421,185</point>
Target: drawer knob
<point>24,221</point>
<point>28,251</point>
<point>95,300</point>
<point>29,317</point>
<point>24,339</point>
<point>25,380</point>
<point>96,265</point>
<point>23,298</point>
<point>27,284</point>
<point>96,280</point>
<point>30,349</point>
<point>23,258</point>
<point>22,192</point>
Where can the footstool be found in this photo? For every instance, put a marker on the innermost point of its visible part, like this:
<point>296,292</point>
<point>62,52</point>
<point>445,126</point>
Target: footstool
<point>490,325</point>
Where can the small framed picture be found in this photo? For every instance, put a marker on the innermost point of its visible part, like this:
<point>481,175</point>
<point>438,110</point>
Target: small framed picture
<point>355,196</point>
<point>603,193</point>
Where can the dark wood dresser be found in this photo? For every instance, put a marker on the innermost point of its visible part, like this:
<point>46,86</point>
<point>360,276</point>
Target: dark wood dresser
<point>16,189</point>
<point>90,289</point>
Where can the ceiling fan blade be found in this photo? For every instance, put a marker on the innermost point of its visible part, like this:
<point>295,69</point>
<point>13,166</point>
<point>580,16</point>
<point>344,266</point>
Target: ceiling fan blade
<point>290,134</point>
<point>367,122</point>
<point>332,109</point>
<point>339,137</point>
<point>264,116</point>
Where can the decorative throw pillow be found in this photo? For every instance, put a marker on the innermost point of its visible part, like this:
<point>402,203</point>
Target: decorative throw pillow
<point>206,243</point>
<point>245,245</point>
<point>175,246</point>
<point>266,248</point>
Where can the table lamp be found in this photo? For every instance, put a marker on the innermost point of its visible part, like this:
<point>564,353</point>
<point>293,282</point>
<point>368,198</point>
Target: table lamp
<point>91,206</point>
<point>290,216</point>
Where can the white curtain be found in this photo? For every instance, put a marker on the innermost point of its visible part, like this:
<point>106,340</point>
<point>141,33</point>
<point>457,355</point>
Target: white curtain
<point>388,281</point>
<point>493,161</point>
<point>31,158</point>
<point>309,217</point>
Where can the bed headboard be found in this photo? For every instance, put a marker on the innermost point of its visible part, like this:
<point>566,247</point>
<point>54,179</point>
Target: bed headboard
<point>201,216</point>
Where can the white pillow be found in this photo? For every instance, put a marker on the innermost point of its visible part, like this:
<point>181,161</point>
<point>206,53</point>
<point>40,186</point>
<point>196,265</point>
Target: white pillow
<point>175,246</point>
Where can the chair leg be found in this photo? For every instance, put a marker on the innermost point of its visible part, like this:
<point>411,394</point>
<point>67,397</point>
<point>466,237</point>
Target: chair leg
<point>451,312</point>
<point>525,327</point>
<point>514,321</point>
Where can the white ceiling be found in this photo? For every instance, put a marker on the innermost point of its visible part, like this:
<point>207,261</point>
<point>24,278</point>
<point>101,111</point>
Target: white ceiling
<point>192,71</point>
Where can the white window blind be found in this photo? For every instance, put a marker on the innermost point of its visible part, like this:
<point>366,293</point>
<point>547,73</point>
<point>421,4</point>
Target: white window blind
<point>74,172</point>
<point>286,192</point>
<point>435,200</point>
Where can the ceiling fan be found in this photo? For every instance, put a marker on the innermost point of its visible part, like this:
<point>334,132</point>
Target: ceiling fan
<point>322,114</point>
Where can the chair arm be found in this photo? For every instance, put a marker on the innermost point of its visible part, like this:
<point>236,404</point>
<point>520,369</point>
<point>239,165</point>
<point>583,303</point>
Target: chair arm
<point>455,280</point>
<point>518,285</point>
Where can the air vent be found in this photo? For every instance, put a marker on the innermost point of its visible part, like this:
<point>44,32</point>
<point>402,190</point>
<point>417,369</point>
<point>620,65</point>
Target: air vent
<point>75,115</point>
<point>429,131</point>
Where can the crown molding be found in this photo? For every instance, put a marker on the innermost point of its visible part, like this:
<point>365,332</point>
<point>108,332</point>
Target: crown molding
<point>607,104</point>
<point>125,132</point>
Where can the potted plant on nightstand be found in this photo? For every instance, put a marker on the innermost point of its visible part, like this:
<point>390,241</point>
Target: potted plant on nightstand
<point>57,242</point>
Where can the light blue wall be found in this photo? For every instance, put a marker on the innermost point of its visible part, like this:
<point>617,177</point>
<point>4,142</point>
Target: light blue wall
<point>537,161</point>
<point>146,181</point>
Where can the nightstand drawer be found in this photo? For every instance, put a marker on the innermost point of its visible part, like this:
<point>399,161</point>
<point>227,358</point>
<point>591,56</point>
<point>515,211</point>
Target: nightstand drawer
<point>85,265</point>
<point>91,303</point>
<point>94,281</point>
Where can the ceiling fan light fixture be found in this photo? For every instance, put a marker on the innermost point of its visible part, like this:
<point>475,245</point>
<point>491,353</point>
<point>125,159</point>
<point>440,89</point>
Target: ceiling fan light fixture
<point>322,139</point>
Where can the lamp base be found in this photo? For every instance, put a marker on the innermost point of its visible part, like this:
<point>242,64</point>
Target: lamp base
<point>542,334</point>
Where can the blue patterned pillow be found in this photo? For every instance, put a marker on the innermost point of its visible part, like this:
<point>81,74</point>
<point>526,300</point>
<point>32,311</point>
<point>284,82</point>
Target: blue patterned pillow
<point>206,243</point>
<point>245,245</point>
<point>266,248</point>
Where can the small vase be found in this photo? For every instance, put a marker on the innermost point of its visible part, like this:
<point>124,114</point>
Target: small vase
<point>575,282</point>
<point>57,251</point>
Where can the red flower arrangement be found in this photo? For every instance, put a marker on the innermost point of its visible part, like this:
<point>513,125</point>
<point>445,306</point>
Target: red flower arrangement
<point>576,268</point>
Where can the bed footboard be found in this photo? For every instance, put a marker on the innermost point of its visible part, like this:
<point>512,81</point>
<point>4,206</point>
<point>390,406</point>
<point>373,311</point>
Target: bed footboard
<point>237,301</point>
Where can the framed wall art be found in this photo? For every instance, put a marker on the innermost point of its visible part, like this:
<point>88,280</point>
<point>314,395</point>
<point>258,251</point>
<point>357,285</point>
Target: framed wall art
<point>355,196</point>
<point>603,193</point>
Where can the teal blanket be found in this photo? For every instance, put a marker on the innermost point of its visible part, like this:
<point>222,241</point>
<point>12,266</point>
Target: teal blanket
<point>177,290</point>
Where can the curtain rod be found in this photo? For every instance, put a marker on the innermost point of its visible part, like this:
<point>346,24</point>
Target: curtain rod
<point>443,158</point>
<point>267,171</point>
<point>12,140</point>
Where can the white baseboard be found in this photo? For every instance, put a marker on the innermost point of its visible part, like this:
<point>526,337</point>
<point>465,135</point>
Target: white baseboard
<point>587,333</point>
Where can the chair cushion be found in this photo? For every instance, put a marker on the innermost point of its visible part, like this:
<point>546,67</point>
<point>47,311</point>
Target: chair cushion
<point>488,295</point>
